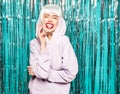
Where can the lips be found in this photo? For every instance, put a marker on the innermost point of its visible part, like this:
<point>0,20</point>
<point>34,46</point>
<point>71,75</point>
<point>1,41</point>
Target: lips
<point>49,25</point>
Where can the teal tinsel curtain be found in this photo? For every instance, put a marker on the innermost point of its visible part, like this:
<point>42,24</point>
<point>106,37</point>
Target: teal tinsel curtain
<point>93,27</point>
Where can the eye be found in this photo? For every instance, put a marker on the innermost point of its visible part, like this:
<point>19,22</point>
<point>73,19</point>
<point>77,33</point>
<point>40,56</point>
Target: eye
<point>46,16</point>
<point>55,17</point>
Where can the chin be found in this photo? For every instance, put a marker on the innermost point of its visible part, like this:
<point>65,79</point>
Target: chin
<point>49,31</point>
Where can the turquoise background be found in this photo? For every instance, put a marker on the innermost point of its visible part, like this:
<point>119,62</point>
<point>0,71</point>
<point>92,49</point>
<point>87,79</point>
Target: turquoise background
<point>93,27</point>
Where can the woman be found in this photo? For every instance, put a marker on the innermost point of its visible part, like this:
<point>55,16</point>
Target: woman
<point>53,64</point>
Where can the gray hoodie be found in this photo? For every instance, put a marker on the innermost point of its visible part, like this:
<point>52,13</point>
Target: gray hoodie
<point>56,67</point>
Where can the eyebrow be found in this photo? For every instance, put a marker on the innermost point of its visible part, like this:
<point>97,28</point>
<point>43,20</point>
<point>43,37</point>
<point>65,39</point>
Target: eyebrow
<point>52,15</point>
<point>55,15</point>
<point>46,14</point>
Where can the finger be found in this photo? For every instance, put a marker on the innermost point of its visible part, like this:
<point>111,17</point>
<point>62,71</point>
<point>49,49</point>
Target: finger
<point>41,31</point>
<point>31,73</point>
<point>29,68</point>
<point>43,35</point>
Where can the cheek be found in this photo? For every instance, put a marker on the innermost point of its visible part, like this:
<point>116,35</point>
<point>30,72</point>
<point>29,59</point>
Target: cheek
<point>44,26</point>
<point>56,23</point>
<point>44,21</point>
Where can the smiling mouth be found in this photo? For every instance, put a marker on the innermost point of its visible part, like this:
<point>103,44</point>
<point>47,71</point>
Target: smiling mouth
<point>49,25</point>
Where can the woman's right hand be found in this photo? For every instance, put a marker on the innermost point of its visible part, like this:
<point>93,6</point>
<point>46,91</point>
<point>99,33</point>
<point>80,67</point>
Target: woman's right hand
<point>41,36</point>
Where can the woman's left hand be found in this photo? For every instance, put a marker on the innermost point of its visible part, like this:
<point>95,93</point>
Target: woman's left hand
<point>30,71</point>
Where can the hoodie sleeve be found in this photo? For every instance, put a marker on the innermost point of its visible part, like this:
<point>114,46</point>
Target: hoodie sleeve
<point>69,67</point>
<point>39,61</point>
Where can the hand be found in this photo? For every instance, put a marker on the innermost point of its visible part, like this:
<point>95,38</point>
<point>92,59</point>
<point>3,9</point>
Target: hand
<point>30,71</point>
<point>42,35</point>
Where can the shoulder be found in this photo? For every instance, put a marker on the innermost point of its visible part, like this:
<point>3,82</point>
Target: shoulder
<point>65,40</point>
<point>34,42</point>
<point>34,46</point>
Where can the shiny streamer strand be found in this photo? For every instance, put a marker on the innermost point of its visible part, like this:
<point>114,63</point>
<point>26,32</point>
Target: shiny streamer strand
<point>93,29</point>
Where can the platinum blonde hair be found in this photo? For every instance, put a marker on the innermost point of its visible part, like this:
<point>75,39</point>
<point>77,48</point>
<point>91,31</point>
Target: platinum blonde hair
<point>50,8</point>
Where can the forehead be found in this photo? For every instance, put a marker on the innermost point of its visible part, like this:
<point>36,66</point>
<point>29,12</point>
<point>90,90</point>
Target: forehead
<point>50,13</point>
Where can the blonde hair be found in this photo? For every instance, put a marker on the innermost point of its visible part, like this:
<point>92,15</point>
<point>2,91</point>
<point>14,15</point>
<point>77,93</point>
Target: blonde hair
<point>50,8</point>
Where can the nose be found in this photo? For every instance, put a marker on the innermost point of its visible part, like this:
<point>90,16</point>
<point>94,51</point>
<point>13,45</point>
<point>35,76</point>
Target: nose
<point>50,19</point>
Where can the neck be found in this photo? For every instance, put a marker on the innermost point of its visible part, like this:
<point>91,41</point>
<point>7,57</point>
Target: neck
<point>49,36</point>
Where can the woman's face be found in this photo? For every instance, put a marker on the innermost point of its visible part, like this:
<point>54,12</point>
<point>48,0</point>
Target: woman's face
<point>50,22</point>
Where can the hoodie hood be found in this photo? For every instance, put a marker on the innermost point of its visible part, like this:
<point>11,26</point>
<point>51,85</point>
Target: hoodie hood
<point>61,27</point>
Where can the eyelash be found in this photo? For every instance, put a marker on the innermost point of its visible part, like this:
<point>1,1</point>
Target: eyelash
<point>48,16</point>
<point>55,17</point>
